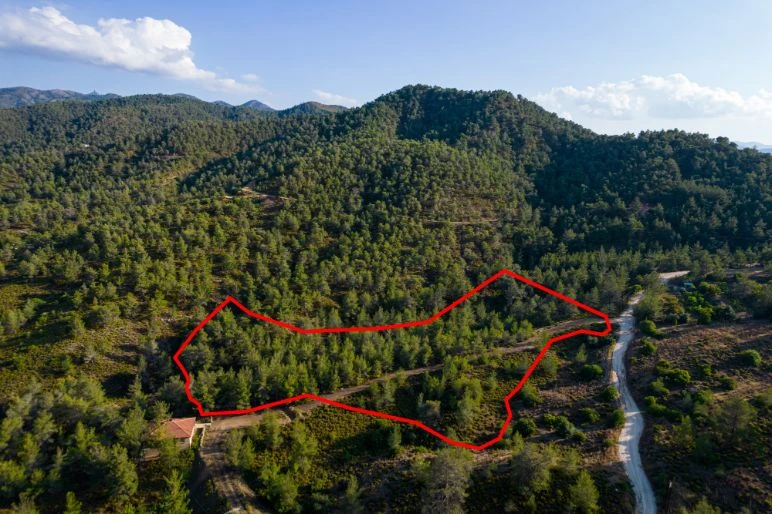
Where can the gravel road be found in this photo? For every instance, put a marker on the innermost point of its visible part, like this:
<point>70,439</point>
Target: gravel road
<point>629,439</point>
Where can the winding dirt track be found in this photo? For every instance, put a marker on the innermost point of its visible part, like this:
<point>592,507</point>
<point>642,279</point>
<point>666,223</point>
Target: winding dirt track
<point>629,438</point>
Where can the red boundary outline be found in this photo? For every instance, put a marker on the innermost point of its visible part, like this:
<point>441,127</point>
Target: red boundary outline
<point>418,323</point>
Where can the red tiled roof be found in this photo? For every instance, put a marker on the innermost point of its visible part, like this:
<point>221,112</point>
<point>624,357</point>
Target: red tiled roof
<point>180,428</point>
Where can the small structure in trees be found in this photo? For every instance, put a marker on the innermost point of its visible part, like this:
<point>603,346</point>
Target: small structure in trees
<point>181,430</point>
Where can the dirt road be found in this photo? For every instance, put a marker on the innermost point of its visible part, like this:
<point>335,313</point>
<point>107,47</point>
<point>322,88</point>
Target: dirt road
<point>629,438</point>
<point>228,482</point>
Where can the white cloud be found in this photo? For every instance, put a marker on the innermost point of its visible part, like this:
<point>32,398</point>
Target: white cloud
<point>332,98</point>
<point>669,97</point>
<point>145,44</point>
<point>250,77</point>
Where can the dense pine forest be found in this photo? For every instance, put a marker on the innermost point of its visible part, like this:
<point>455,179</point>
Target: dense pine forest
<point>124,221</point>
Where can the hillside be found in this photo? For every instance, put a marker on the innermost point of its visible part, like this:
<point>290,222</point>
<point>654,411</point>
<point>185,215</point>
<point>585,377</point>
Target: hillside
<point>312,108</point>
<point>124,221</point>
<point>257,105</point>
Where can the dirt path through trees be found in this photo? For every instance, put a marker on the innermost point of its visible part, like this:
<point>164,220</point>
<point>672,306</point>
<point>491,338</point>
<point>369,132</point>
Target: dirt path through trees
<point>629,438</point>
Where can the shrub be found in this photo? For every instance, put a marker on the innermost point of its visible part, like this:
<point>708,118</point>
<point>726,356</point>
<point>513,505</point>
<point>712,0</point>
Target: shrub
<point>394,439</point>
<point>516,368</point>
<point>658,387</point>
<point>581,354</point>
<point>659,410</point>
<point>430,411</point>
<point>648,348</point>
<point>764,399</point>
<point>750,358</point>
<point>563,426</point>
<point>649,328</point>
<point>727,382</point>
<point>672,309</point>
<point>648,308</point>
<point>703,396</point>
<point>702,507</point>
<point>663,366</point>
<point>679,376</point>
<point>548,367</point>
<point>559,423</point>
<point>685,403</point>
<point>724,312</point>
<point>704,314</point>
<point>578,436</point>
<point>600,342</point>
<point>75,326</point>
<point>530,394</point>
<point>589,415</point>
<point>591,371</point>
<point>609,394</point>
<point>103,315</point>
<point>674,375</point>
<point>617,418</point>
<point>705,449</point>
<point>525,427</point>
<point>706,370</point>
<point>708,289</point>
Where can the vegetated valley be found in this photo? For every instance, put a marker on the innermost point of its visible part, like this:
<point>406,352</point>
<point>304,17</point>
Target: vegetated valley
<point>124,221</point>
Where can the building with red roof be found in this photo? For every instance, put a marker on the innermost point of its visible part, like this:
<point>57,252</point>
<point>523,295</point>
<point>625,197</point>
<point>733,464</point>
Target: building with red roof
<point>180,429</point>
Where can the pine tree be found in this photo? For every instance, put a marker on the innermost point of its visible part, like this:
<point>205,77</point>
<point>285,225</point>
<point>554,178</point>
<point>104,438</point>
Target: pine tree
<point>72,505</point>
<point>271,429</point>
<point>583,495</point>
<point>303,447</point>
<point>350,503</point>
<point>447,482</point>
<point>175,498</point>
<point>133,429</point>
<point>122,476</point>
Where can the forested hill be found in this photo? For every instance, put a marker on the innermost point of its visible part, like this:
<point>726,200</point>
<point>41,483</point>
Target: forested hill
<point>589,190</point>
<point>124,221</point>
<point>434,155</point>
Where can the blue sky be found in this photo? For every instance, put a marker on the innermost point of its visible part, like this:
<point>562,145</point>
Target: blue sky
<point>612,66</point>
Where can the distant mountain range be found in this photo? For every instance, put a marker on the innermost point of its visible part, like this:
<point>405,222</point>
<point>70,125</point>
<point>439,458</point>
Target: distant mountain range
<point>761,147</point>
<point>12,97</point>
<point>23,96</point>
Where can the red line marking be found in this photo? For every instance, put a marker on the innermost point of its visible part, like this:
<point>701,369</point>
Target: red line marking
<point>378,328</point>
